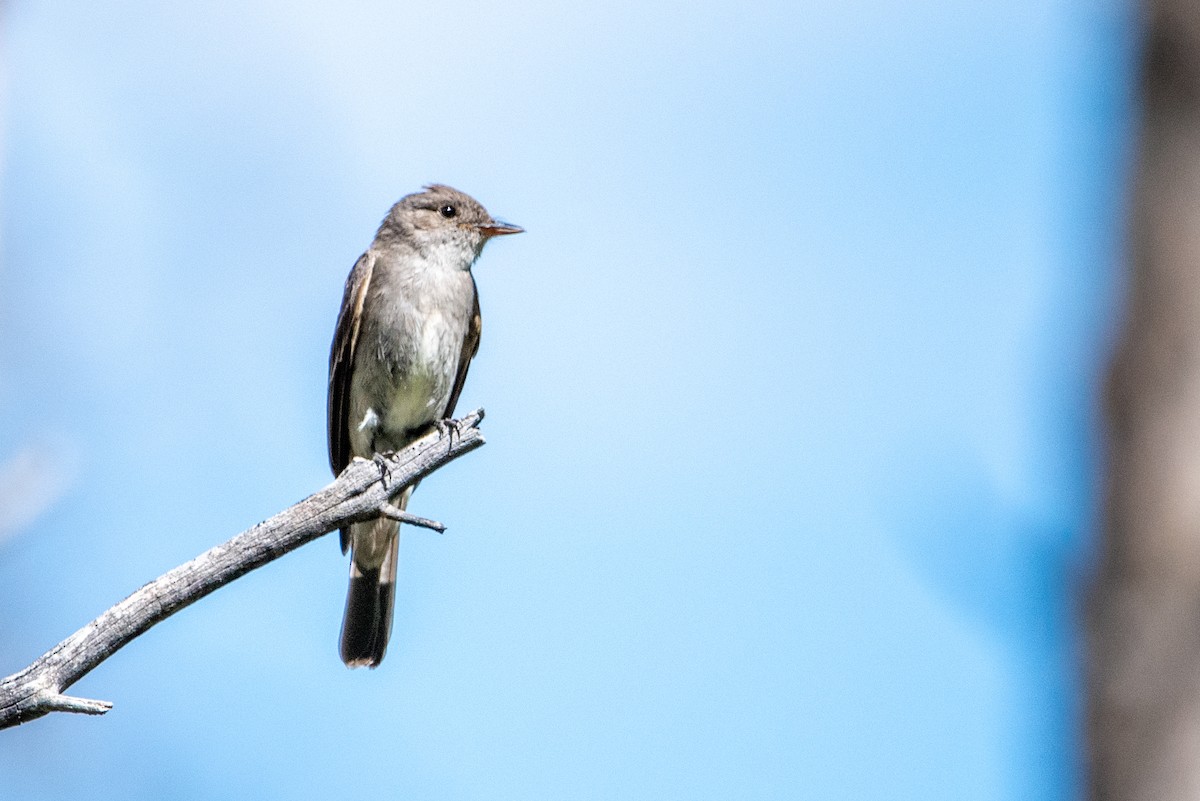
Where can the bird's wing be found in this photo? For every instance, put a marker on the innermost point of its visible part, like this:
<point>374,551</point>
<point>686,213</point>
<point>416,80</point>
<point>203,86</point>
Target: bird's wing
<point>341,360</point>
<point>469,349</point>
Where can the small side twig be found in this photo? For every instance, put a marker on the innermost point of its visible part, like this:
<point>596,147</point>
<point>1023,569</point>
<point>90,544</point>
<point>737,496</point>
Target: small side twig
<point>361,492</point>
<point>396,513</point>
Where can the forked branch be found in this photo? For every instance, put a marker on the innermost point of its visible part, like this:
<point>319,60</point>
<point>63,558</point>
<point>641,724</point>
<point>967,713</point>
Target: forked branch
<point>363,491</point>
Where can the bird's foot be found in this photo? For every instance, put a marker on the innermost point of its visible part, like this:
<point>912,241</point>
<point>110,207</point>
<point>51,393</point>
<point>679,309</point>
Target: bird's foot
<point>448,428</point>
<point>381,460</point>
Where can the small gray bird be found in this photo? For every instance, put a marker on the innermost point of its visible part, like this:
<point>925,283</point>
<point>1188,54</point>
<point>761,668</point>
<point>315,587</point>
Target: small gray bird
<point>407,331</point>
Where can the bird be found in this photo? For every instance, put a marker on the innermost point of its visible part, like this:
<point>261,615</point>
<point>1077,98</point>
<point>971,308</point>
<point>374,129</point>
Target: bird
<point>407,330</point>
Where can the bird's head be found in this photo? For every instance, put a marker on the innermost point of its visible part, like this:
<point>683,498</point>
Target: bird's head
<point>443,221</point>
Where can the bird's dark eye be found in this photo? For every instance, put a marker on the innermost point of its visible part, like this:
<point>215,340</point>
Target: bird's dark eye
<point>448,211</point>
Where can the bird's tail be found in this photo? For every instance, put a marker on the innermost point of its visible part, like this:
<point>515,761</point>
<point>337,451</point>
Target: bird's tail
<point>368,620</point>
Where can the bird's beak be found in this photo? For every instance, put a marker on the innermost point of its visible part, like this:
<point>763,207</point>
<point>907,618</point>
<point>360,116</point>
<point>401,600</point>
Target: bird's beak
<point>496,228</point>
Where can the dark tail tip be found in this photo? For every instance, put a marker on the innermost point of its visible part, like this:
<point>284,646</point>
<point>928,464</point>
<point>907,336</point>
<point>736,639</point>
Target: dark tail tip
<point>368,620</point>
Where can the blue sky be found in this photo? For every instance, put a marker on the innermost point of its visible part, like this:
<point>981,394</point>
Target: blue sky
<point>790,391</point>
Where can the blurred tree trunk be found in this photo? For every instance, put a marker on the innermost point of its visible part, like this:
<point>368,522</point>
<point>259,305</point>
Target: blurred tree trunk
<point>1143,717</point>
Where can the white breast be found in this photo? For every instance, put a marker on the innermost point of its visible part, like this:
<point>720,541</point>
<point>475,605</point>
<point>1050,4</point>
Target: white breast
<point>421,394</point>
<point>409,349</point>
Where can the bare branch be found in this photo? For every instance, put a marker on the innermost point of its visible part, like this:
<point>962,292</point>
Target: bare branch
<point>396,513</point>
<point>361,492</point>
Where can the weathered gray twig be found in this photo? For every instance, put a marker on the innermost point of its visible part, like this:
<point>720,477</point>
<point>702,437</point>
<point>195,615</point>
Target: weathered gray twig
<point>362,491</point>
<point>387,509</point>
